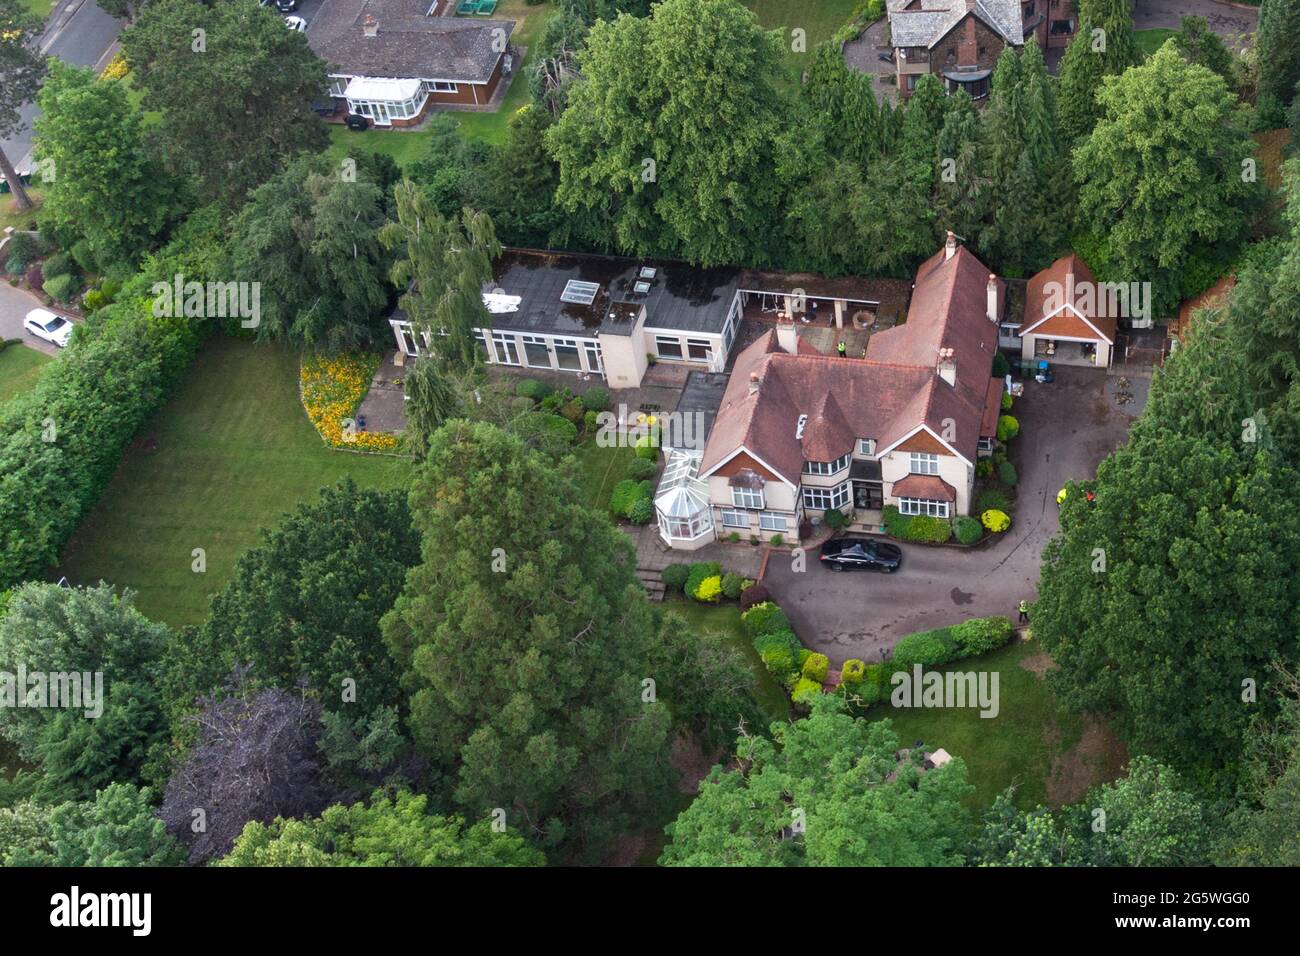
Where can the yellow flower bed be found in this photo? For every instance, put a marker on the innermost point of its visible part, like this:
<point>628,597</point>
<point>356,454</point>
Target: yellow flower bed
<point>332,388</point>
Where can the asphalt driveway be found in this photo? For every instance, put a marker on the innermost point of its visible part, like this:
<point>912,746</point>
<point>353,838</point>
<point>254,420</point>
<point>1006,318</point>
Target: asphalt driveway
<point>14,306</point>
<point>1226,19</point>
<point>1067,428</point>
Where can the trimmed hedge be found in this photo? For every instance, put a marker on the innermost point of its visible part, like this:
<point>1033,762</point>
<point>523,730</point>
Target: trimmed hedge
<point>732,584</point>
<point>641,512</point>
<point>805,691</point>
<point>968,530</point>
<point>980,635</point>
<point>996,521</point>
<point>919,528</point>
<point>117,372</point>
<point>970,638</point>
<point>675,575</point>
<point>1008,428</point>
<point>639,469</point>
<point>816,667</point>
<point>626,494</point>
<point>854,671</point>
<point>763,619</point>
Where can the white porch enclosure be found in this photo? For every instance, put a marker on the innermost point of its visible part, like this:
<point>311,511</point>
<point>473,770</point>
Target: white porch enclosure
<point>385,100</point>
<point>682,502</point>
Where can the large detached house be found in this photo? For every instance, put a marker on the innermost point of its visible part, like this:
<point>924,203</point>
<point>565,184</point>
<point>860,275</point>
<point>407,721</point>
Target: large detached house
<point>391,60</point>
<point>960,41</point>
<point>798,432</point>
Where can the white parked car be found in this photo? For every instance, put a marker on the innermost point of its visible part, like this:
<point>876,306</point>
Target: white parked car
<point>296,23</point>
<point>44,324</point>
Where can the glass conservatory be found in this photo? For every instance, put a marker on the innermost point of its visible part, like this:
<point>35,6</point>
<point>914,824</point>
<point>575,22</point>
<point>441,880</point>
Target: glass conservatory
<point>682,502</point>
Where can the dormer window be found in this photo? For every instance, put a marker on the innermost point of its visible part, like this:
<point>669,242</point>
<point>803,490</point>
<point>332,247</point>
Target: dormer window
<point>826,467</point>
<point>866,446</point>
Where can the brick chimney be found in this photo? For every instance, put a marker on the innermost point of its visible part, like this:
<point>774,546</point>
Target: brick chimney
<point>950,247</point>
<point>993,297</point>
<point>947,367</point>
<point>787,335</point>
<point>370,26</point>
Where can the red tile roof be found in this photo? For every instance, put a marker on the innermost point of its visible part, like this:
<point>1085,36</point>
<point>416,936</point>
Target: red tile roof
<point>992,409</point>
<point>884,396</point>
<point>930,487</point>
<point>1063,281</point>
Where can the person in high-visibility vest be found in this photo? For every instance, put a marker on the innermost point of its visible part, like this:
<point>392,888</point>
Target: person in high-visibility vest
<point>1024,611</point>
<point>842,349</point>
<point>1060,497</point>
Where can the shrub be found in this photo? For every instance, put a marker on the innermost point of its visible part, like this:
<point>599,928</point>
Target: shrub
<point>590,422</point>
<point>699,571</point>
<point>1001,367</point>
<point>675,575</point>
<point>57,265</point>
<point>639,469</point>
<point>22,248</point>
<point>641,512</point>
<point>867,692</point>
<point>647,447</point>
<point>35,276</point>
<point>984,468</point>
<point>753,595</point>
<point>980,635</point>
<point>877,675</point>
<point>782,638</point>
<point>595,399</point>
<point>927,648</point>
<point>779,662</point>
<point>1008,428</point>
<point>920,528</point>
<point>992,499</point>
<point>732,584</point>
<point>1007,401</point>
<point>764,618</point>
<point>853,671</point>
<point>710,590</point>
<point>1007,474</point>
<point>816,666</point>
<point>968,530</point>
<point>61,288</point>
<point>551,403</point>
<point>996,521</point>
<point>777,540</point>
<point>834,518</point>
<point>573,411</point>
<point>532,389</point>
<point>734,537</point>
<point>626,493</point>
<point>805,691</point>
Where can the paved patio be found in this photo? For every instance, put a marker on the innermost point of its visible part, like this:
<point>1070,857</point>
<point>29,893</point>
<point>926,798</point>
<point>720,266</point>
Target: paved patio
<point>384,407</point>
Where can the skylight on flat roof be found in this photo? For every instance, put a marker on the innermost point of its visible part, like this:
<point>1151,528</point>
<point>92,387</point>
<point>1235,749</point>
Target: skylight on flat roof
<point>579,293</point>
<point>648,272</point>
<point>641,287</point>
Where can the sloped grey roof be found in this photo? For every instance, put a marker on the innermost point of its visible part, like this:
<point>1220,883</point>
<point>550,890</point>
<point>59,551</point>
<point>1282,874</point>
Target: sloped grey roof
<point>928,21</point>
<point>409,43</point>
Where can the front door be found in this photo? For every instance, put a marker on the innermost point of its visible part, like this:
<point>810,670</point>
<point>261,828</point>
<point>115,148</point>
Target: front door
<point>868,495</point>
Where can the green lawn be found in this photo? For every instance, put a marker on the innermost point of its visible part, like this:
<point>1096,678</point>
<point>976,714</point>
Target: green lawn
<point>1016,747</point>
<point>600,469</point>
<point>41,8</point>
<point>1148,41</point>
<point>819,20</point>
<point>20,367</point>
<point>11,215</point>
<point>229,454</point>
<point>722,622</point>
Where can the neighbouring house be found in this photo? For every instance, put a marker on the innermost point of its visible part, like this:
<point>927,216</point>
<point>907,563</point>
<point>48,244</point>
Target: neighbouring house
<point>798,432</point>
<point>602,316</point>
<point>1215,297</point>
<point>1051,22</point>
<point>958,41</point>
<point>393,60</point>
<point>1069,318</point>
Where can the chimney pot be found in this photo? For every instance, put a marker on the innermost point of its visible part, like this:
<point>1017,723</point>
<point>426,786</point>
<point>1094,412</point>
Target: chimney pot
<point>370,26</point>
<point>787,335</point>
<point>993,298</point>
<point>950,246</point>
<point>753,382</point>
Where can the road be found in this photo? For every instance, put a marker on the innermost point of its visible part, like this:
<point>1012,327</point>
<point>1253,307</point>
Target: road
<point>14,306</point>
<point>1067,428</point>
<point>77,32</point>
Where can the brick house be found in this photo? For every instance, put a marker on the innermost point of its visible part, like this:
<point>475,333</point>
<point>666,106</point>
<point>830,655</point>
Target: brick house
<point>798,433</point>
<point>392,60</point>
<point>1052,22</point>
<point>958,41</point>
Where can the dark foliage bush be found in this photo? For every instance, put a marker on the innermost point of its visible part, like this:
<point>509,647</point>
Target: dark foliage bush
<point>533,389</point>
<point>764,618</point>
<point>699,571</point>
<point>969,530</point>
<point>1007,474</point>
<point>675,575</point>
<point>1001,367</point>
<point>641,512</point>
<point>595,399</point>
<point>752,595</point>
<point>919,528</point>
<point>731,584</point>
<point>991,499</point>
<point>980,635</point>
<point>927,648</point>
<point>639,469</point>
<point>834,518</point>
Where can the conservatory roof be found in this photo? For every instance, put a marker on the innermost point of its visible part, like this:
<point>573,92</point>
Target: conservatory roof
<point>682,493</point>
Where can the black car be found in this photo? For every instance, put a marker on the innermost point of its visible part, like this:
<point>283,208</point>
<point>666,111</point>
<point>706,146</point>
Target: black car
<point>356,121</point>
<point>286,6</point>
<point>861,554</point>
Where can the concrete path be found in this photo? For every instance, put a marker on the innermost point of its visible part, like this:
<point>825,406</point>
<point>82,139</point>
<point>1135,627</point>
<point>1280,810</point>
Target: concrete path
<point>1067,428</point>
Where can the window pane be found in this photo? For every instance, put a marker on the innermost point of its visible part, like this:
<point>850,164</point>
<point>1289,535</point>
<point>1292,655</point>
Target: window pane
<point>567,356</point>
<point>669,348</point>
<point>537,354</point>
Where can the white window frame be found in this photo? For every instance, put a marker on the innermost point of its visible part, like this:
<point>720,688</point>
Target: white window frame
<point>985,444</point>
<point>826,467</point>
<point>923,463</point>
<point>751,498</point>
<point>773,521</point>
<point>440,86</point>
<point>734,518</point>
<point>504,339</point>
<point>924,506</point>
<point>673,340</point>
<point>823,499</point>
<point>706,344</point>
<point>866,446</point>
